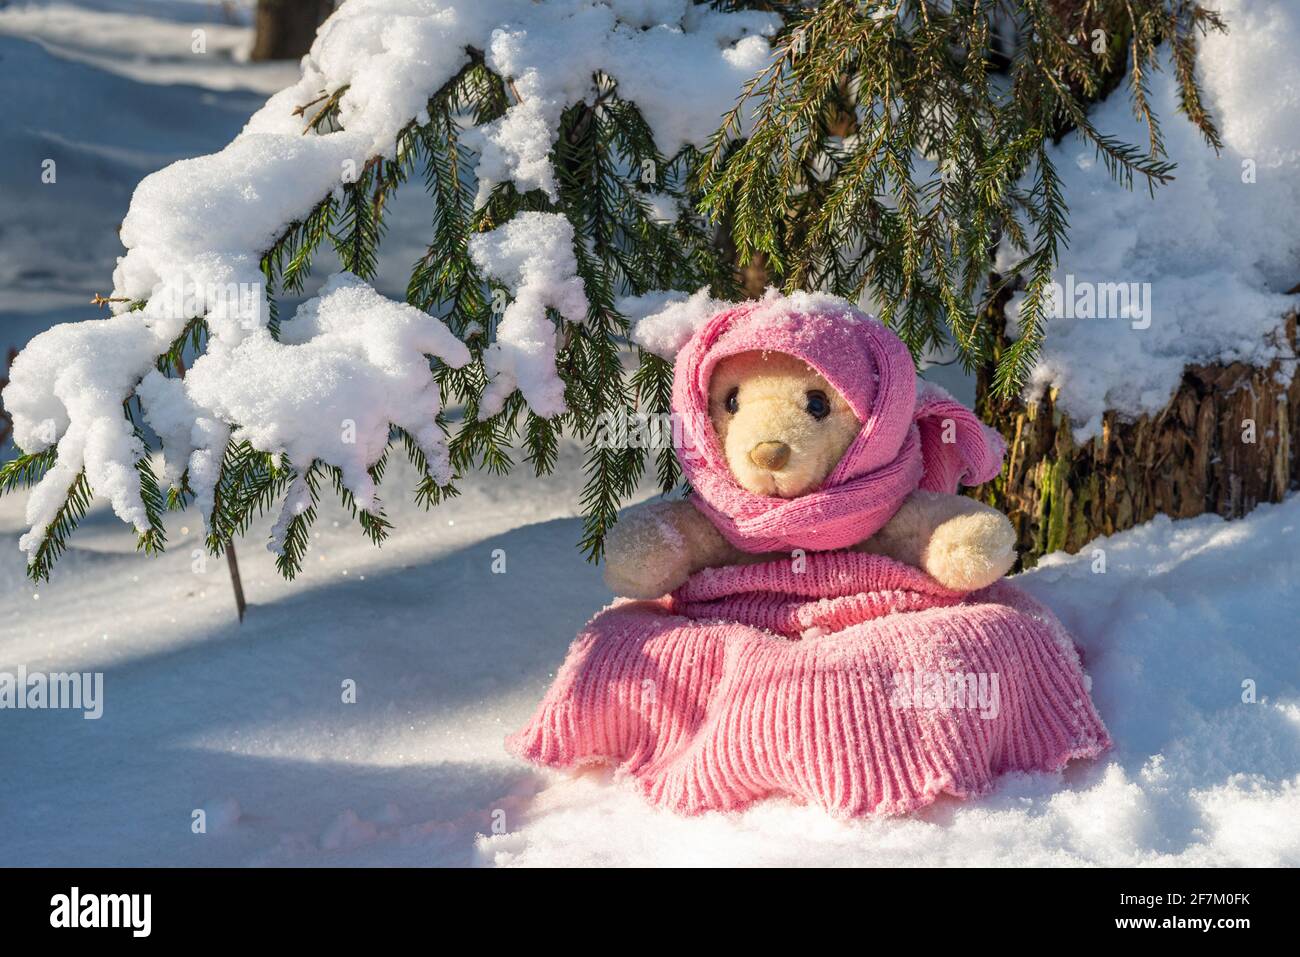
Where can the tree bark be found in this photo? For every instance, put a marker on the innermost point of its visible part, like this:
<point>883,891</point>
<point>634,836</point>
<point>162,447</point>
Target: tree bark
<point>6,419</point>
<point>1227,440</point>
<point>286,28</point>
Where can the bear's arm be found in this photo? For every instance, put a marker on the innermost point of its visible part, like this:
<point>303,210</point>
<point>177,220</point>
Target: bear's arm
<point>655,547</point>
<point>961,543</point>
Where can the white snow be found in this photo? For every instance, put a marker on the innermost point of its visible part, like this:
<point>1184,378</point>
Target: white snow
<point>220,815</point>
<point>1217,246</point>
<point>349,363</point>
<point>68,174</point>
<point>196,230</point>
<point>391,55</point>
<point>449,657</point>
<point>68,385</point>
<point>663,321</point>
<point>206,46</point>
<point>682,64</point>
<point>248,723</point>
<point>533,256</point>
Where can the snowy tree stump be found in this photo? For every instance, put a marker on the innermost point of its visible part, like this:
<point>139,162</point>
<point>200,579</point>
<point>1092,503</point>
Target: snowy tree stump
<point>1226,441</point>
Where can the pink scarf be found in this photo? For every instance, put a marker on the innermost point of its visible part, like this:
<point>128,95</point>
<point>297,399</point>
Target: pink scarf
<point>909,439</point>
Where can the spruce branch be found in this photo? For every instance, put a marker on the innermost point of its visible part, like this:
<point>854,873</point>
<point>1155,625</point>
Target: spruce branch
<point>889,144</point>
<point>55,535</point>
<point>27,469</point>
<point>294,525</point>
<point>374,523</point>
<point>152,540</point>
<point>889,150</point>
<point>325,120</point>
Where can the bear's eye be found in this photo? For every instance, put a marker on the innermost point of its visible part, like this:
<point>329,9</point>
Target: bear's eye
<point>733,401</point>
<point>818,405</point>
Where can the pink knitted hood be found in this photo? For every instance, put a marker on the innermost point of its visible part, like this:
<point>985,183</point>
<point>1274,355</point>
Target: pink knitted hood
<point>909,440</point>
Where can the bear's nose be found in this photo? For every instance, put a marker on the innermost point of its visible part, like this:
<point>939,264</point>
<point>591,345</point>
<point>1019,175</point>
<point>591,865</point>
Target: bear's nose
<point>770,455</point>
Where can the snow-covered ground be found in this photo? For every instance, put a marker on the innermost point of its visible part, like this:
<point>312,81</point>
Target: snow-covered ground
<point>80,89</point>
<point>248,722</point>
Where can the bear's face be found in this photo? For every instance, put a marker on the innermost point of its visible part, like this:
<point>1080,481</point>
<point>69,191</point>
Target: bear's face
<point>782,426</point>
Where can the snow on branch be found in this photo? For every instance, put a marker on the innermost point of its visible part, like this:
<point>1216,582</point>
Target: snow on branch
<point>533,255</point>
<point>67,387</point>
<point>351,364</point>
<point>681,64</point>
<point>197,233</point>
<point>662,321</point>
<point>1205,272</point>
<point>216,214</point>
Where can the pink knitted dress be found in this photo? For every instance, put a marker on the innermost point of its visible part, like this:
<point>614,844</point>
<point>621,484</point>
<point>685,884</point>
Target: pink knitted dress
<point>833,677</point>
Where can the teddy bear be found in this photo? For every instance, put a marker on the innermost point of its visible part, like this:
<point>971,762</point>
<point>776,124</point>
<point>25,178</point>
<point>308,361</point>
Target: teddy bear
<point>753,670</point>
<point>784,392</point>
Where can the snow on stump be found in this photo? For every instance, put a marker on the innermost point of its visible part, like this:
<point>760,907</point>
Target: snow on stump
<point>1227,440</point>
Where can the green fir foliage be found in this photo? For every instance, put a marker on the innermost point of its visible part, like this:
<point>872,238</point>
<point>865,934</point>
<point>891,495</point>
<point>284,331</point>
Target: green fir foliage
<point>895,145</point>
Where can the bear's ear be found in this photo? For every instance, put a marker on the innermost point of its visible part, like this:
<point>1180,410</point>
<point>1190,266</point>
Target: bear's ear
<point>956,447</point>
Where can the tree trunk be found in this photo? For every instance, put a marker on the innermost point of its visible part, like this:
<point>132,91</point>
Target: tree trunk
<point>286,28</point>
<point>1227,440</point>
